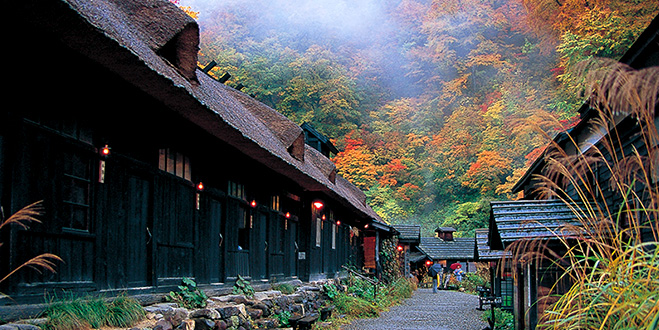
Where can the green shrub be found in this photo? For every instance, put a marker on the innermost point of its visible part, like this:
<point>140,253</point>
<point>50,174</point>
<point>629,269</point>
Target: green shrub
<point>473,280</point>
<point>503,320</point>
<point>188,296</point>
<point>243,287</point>
<point>283,318</point>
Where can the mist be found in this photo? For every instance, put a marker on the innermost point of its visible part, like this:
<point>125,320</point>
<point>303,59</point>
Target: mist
<point>363,25</point>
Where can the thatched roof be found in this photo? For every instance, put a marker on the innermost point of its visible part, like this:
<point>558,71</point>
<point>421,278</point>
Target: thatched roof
<point>153,45</point>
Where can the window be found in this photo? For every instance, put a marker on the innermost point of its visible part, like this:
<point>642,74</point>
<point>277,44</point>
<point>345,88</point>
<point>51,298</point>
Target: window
<point>175,163</point>
<point>334,229</point>
<point>274,203</point>
<point>319,231</point>
<point>76,191</point>
<point>243,229</point>
<point>237,190</point>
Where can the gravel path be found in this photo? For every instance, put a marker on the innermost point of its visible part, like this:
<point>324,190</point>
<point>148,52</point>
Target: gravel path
<point>444,310</point>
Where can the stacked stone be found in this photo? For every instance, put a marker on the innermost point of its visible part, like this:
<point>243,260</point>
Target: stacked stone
<point>235,312</point>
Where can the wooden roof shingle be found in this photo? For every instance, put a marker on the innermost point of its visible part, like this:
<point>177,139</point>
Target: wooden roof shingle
<point>461,248</point>
<point>530,219</point>
<point>408,232</point>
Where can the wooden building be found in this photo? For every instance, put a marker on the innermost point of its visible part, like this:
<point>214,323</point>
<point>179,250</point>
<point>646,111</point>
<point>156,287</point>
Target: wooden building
<point>520,220</point>
<point>501,278</point>
<point>409,237</point>
<point>447,249</point>
<point>149,169</point>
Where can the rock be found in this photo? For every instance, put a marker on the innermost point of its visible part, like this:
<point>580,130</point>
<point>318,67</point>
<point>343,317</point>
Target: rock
<point>297,308</point>
<point>26,327</point>
<point>186,325</point>
<point>160,308</point>
<point>308,288</point>
<point>176,316</point>
<point>220,325</point>
<point>227,298</point>
<point>263,308</point>
<point>163,325</point>
<point>296,297</point>
<point>228,311</point>
<point>205,313</point>
<point>203,324</point>
<point>242,309</point>
<point>254,313</point>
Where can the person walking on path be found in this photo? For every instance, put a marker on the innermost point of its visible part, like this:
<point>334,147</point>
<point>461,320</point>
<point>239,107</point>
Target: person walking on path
<point>447,275</point>
<point>434,272</point>
<point>425,310</point>
<point>458,273</point>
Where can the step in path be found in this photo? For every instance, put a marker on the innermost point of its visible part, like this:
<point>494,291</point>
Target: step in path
<point>425,310</point>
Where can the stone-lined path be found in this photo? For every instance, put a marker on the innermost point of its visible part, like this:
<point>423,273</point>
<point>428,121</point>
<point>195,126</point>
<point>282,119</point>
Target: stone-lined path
<point>444,310</point>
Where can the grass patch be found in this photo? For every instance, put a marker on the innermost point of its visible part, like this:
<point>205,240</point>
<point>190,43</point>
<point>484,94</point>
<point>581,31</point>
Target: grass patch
<point>284,288</point>
<point>92,313</point>
<point>364,300</point>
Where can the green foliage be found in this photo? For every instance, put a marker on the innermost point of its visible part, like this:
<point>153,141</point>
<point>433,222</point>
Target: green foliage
<point>471,281</point>
<point>503,320</point>
<point>283,318</point>
<point>188,296</point>
<point>391,259</point>
<point>94,313</point>
<point>330,290</point>
<point>242,286</point>
<point>456,131</point>
<point>354,306</point>
<point>400,290</point>
<point>469,216</point>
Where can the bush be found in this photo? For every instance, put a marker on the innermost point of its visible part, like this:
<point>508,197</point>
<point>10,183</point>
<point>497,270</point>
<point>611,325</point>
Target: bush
<point>188,296</point>
<point>503,320</point>
<point>243,287</point>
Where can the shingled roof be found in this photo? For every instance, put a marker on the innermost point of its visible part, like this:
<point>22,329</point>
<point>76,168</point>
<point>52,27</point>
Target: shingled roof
<point>461,248</point>
<point>530,219</point>
<point>483,251</point>
<point>408,233</point>
<point>153,45</point>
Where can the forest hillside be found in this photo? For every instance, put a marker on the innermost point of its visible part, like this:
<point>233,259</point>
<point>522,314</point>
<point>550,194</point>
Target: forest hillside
<point>437,106</point>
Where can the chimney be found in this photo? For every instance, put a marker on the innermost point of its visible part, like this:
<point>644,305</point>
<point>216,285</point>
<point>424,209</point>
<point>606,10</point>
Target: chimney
<point>445,233</point>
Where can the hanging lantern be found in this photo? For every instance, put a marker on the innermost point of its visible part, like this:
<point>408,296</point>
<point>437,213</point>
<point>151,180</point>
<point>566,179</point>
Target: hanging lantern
<point>318,205</point>
<point>105,151</point>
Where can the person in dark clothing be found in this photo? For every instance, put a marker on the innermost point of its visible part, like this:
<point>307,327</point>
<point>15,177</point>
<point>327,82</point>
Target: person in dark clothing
<point>434,272</point>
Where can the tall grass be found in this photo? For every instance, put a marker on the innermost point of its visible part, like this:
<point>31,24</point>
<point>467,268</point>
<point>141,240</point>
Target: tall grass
<point>613,271</point>
<point>22,218</point>
<point>93,313</point>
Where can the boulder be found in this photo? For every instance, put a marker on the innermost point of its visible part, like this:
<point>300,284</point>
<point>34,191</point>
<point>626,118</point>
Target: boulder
<point>208,313</point>
<point>163,325</point>
<point>176,316</point>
